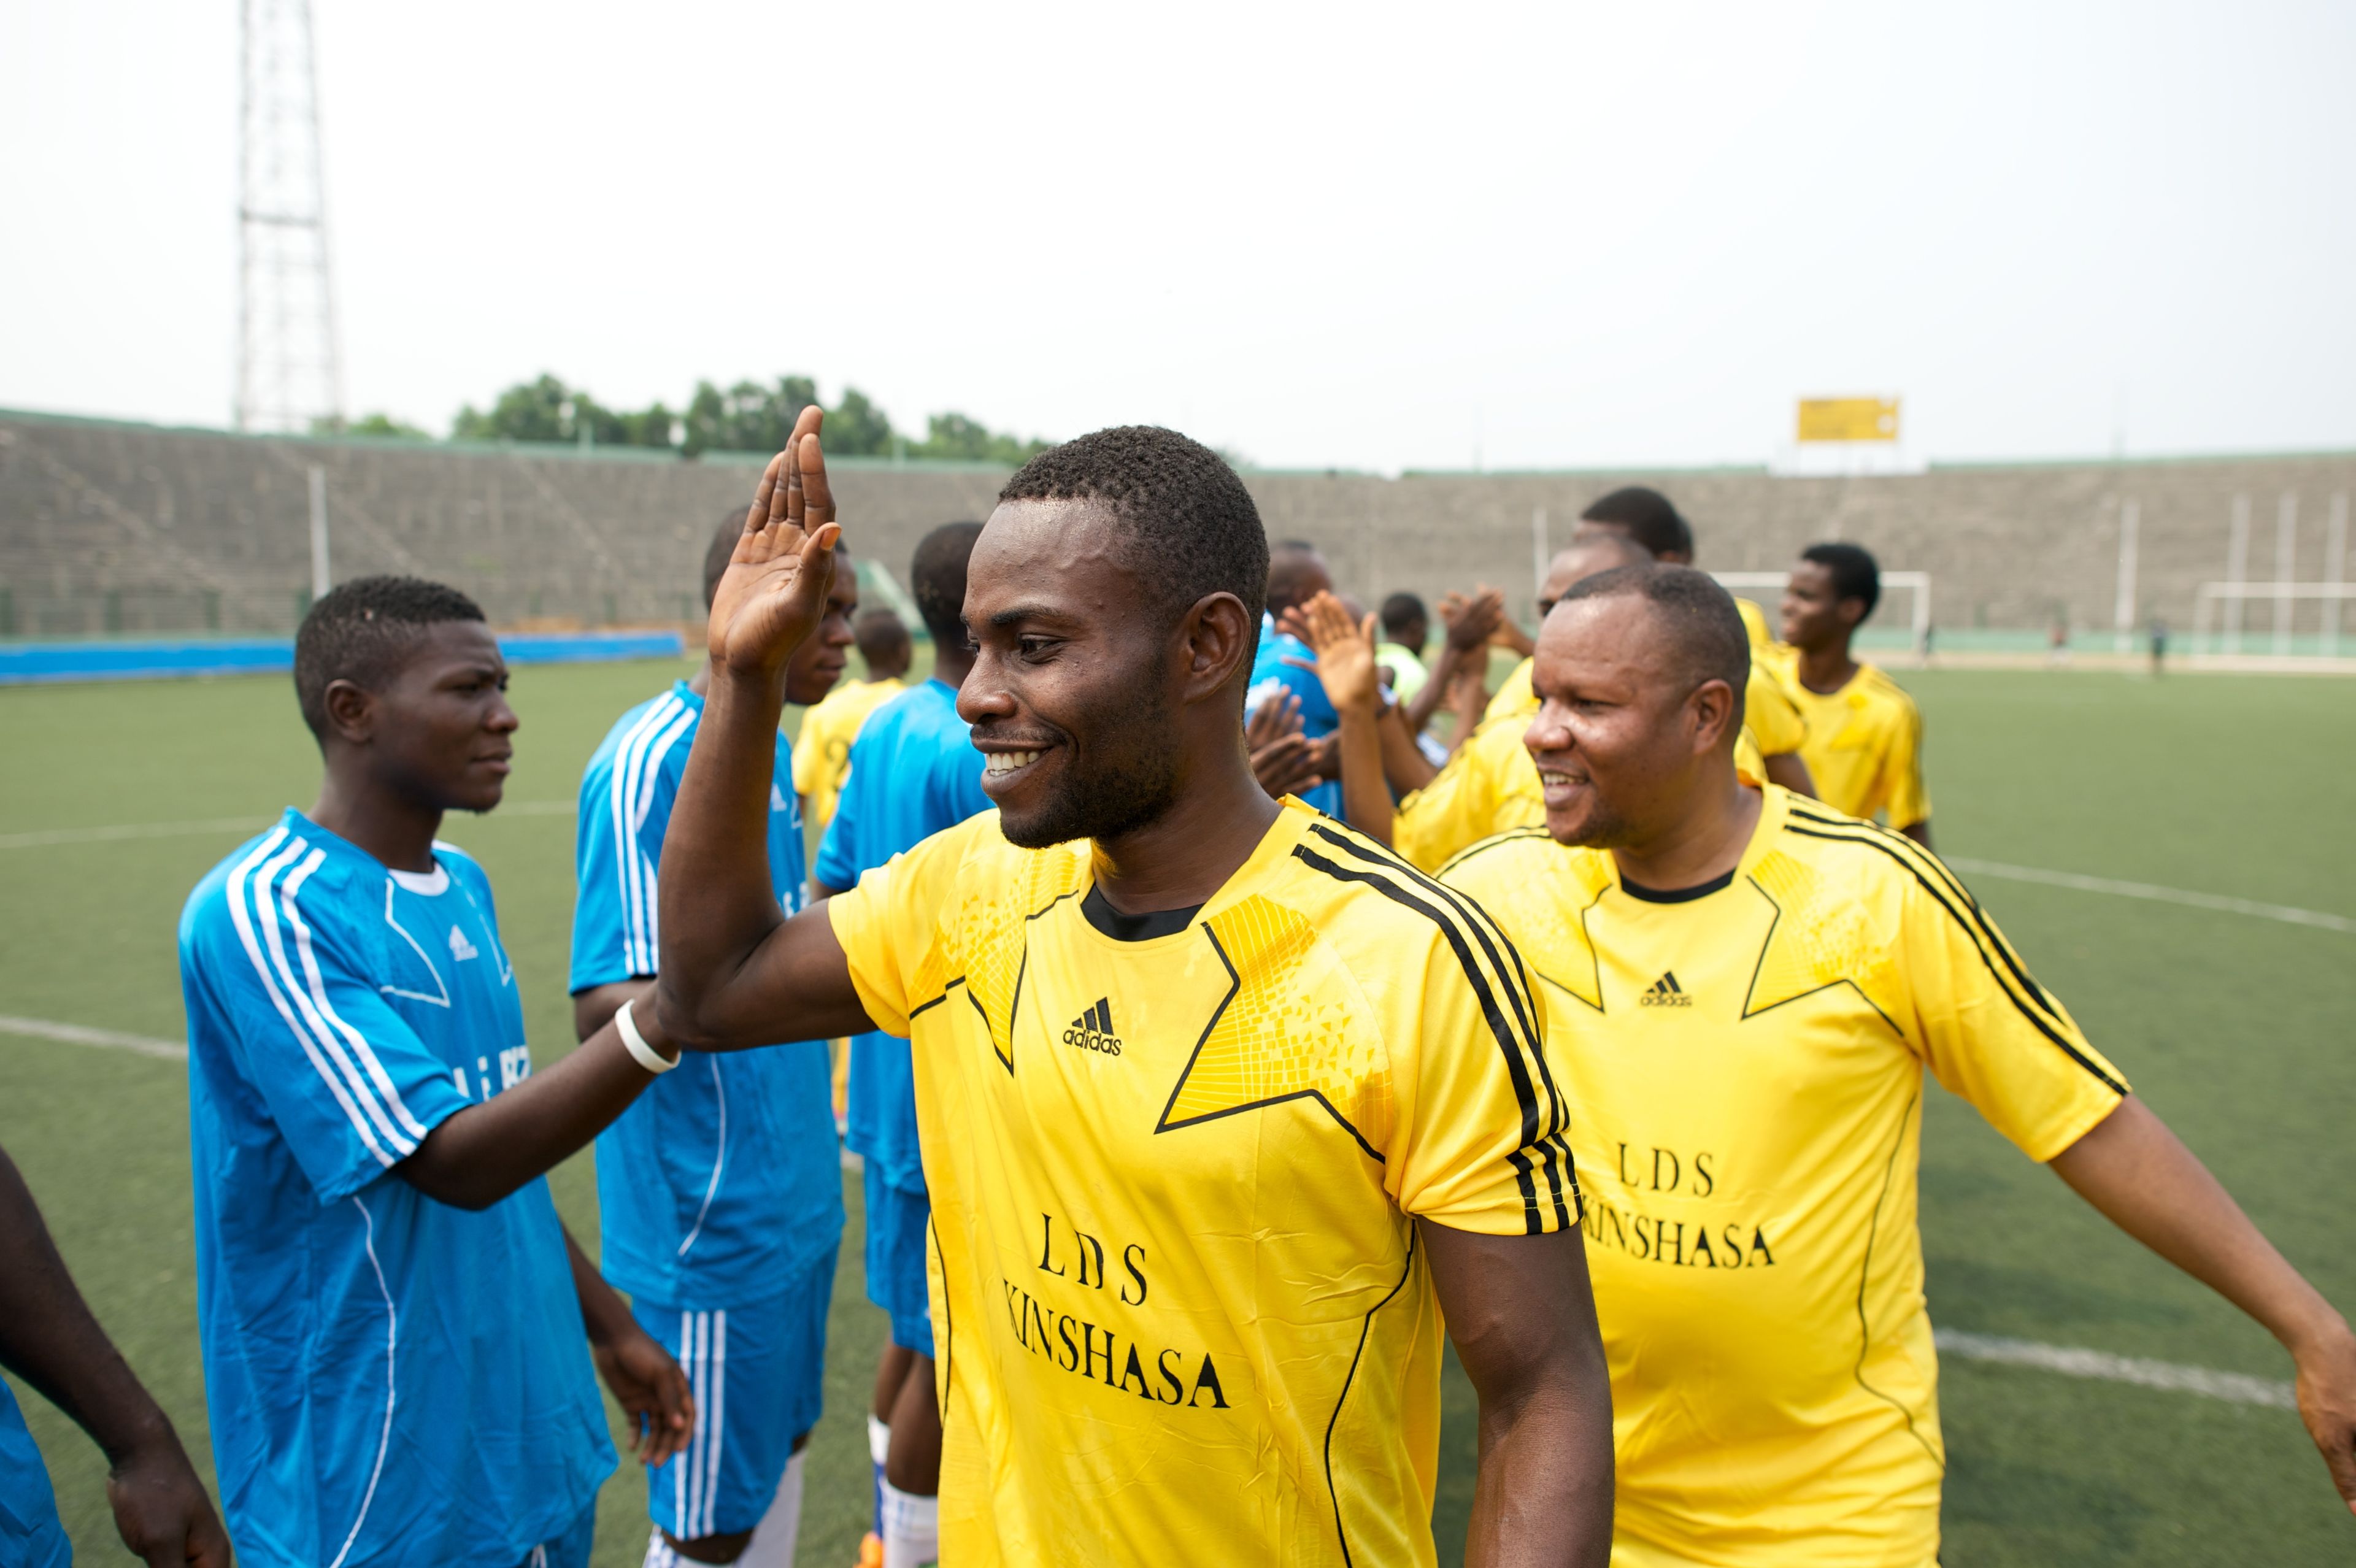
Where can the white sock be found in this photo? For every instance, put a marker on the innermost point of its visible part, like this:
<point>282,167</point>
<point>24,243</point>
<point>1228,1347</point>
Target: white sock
<point>912,1528</point>
<point>879,1445</point>
<point>774,1538</point>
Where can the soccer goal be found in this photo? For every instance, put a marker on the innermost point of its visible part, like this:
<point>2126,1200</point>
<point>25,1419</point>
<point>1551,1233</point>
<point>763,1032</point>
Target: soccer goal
<point>2224,605</point>
<point>1916,582</point>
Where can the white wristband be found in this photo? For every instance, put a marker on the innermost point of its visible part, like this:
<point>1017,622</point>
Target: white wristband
<point>645,1055</point>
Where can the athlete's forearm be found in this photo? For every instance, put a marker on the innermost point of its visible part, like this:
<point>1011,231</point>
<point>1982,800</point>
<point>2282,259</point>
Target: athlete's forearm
<point>2145,1181</point>
<point>1786,768</point>
<point>604,1313</point>
<point>1365,797</point>
<point>1404,764</point>
<point>1522,1317</point>
<point>478,1156</point>
<point>49,1337</point>
<point>1425,703</point>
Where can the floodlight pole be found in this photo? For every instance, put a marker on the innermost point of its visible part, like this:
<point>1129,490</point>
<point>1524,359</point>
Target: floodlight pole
<point>289,371</point>
<point>2335,569</point>
<point>2286,565</point>
<point>2122,601</point>
<point>321,579</point>
<point>2237,567</point>
<point>1538,550</point>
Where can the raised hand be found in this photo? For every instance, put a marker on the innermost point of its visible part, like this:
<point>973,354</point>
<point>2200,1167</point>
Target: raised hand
<point>1345,653</point>
<point>1472,618</point>
<point>1282,758</point>
<point>774,590</point>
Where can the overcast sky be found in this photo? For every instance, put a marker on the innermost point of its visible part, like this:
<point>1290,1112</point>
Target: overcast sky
<point>1558,236</point>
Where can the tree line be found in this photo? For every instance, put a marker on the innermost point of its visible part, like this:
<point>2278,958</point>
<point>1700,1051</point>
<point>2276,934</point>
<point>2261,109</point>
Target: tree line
<point>745,417</point>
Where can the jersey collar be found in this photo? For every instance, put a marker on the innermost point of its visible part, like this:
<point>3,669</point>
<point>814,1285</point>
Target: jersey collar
<point>1775,808</point>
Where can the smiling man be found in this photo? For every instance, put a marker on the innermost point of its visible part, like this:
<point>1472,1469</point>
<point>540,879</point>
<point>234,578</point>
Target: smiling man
<point>1756,983</point>
<point>1220,1104</point>
<point>397,1331</point>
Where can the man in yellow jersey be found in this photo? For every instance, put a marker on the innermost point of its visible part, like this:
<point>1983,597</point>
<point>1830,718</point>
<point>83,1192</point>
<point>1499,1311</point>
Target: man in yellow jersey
<point>1864,745</point>
<point>822,750</point>
<point>1755,984</point>
<point>1219,1103</point>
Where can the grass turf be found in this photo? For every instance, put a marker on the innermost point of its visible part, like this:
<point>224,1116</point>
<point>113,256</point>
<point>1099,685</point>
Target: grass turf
<point>2234,1028</point>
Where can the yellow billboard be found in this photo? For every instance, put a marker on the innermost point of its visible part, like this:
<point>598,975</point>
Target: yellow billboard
<point>1849,419</point>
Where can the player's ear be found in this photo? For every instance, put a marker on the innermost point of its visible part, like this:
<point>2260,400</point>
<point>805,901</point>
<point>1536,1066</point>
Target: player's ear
<point>1217,636</point>
<point>351,711</point>
<point>1712,707</point>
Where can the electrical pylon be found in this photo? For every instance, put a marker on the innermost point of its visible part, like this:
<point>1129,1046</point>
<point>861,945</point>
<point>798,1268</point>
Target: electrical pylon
<point>289,374</point>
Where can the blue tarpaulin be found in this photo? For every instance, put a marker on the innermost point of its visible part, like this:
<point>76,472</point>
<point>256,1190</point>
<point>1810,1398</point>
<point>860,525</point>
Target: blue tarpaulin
<point>26,662</point>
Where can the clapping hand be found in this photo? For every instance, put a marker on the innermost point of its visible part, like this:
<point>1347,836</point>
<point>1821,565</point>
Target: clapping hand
<point>774,590</point>
<point>1282,757</point>
<point>1345,664</point>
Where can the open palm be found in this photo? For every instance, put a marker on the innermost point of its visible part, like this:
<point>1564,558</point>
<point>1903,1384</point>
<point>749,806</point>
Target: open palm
<point>775,589</point>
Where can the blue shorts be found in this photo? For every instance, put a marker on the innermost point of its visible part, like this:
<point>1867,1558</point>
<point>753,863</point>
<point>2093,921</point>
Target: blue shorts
<point>897,1221</point>
<point>758,1372</point>
<point>570,1550</point>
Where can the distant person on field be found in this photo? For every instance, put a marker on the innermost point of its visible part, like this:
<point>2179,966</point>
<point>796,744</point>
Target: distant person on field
<point>1406,632</point>
<point>822,750</point>
<point>1864,745</point>
<point>397,1331</point>
<point>49,1337</point>
<point>914,771</point>
<point>1742,990</point>
<point>2158,644</point>
<point>720,1192</point>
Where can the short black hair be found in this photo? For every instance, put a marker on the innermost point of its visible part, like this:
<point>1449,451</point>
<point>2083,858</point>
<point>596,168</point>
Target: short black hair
<point>723,545</point>
<point>1855,574</point>
<point>1646,516</point>
<point>361,631</point>
<point>1191,527</point>
<point>882,637</point>
<point>1402,613</point>
<point>1705,629</point>
<point>937,579</point>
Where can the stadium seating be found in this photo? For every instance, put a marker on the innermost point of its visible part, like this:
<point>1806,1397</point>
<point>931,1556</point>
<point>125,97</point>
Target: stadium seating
<point>118,527</point>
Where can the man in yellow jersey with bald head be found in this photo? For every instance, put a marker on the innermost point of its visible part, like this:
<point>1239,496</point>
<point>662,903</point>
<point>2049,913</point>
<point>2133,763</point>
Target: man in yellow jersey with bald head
<point>1489,786</point>
<point>1864,745</point>
<point>1220,1104</point>
<point>1745,989</point>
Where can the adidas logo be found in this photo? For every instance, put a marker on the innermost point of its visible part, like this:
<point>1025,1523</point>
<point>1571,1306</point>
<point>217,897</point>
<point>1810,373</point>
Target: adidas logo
<point>1665,993</point>
<point>460,948</point>
<point>1092,1030</point>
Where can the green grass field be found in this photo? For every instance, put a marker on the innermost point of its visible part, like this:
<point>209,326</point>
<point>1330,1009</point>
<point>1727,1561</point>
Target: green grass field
<point>2237,1030</point>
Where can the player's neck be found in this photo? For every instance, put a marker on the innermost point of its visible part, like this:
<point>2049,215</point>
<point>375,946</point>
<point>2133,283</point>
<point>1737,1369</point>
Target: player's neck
<point>1704,841</point>
<point>1179,861</point>
<point>1825,669</point>
<point>951,665</point>
<point>699,682</point>
<point>397,831</point>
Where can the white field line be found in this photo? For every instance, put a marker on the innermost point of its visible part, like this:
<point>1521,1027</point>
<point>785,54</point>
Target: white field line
<point>218,825</point>
<point>104,1039</point>
<point>2217,901</point>
<point>2237,1388</point>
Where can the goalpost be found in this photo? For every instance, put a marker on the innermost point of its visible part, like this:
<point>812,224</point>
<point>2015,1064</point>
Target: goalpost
<point>1916,582</point>
<point>2282,595</point>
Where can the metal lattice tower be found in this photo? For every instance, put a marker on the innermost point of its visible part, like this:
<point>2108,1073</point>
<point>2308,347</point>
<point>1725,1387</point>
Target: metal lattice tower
<point>288,371</point>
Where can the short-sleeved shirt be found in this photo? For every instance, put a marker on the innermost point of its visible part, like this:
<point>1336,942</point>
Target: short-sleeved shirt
<point>913,772</point>
<point>822,749</point>
<point>1175,1164</point>
<point>1272,677</point>
<point>30,1534</point>
<point>1409,675</point>
<point>1864,746</point>
<point>391,1380</point>
<point>1749,1080</point>
<point>722,1178</point>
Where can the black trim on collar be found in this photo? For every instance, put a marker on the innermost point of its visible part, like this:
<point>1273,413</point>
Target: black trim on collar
<point>1099,914</point>
<point>1676,895</point>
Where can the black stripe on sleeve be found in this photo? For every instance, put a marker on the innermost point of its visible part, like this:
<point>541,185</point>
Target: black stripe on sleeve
<point>1491,842</point>
<point>2032,1014</point>
<point>1513,978</point>
<point>1525,1092</point>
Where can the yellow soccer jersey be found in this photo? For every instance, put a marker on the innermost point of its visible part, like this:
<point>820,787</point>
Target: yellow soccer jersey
<point>1864,747</point>
<point>1748,1074</point>
<point>822,750</point>
<point>1754,623</point>
<point>1180,1312</point>
<point>1514,696</point>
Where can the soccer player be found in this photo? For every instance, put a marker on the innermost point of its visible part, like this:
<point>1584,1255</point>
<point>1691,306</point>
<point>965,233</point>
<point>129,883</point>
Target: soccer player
<point>1407,631</point>
<point>1283,666</point>
<point>913,772</point>
<point>822,749</point>
<point>1220,1104</point>
<point>397,1331</point>
<point>1864,743</point>
<point>719,1192</point>
<point>49,1337</point>
<point>1755,984</point>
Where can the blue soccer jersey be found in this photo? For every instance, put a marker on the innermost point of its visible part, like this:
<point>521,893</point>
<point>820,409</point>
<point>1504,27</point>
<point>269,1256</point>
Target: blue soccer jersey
<point>30,1535</point>
<point>914,771</point>
<point>391,1380</point>
<point>1272,677</point>
<point>722,1182</point>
